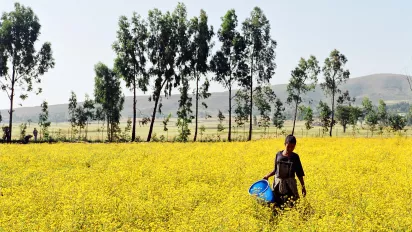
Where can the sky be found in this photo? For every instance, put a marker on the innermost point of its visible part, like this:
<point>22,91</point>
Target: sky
<point>374,35</point>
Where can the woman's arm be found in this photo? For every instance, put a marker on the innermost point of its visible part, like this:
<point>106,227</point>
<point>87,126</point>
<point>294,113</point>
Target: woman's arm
<point>272,172</point>
<point>269,175</point>
<point>302,182</point>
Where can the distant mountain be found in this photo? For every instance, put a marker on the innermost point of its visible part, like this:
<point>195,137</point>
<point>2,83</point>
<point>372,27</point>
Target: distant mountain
<point>392,88</point>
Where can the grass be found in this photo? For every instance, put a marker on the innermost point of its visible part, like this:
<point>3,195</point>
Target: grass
<point>95,131</point>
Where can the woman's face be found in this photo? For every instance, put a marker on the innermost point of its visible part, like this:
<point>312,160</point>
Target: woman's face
<point>289,147</point>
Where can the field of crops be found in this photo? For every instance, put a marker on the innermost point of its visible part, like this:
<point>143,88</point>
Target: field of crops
<point>353,184</point>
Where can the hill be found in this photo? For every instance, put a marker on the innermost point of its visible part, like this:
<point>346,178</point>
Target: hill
<point>392,88</point>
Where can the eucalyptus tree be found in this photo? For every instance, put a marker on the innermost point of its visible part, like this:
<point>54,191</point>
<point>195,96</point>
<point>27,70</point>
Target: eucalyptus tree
<point>260,50</point>
<point>130,64</point>
<point>229,63</point>
<point>344,109</point>
<point>162,53</point>
<point>335,75</point>
<point>44,122</point>
<point>264,98</point>
<point>200,47</point>
<point>89,111</point>
<point>304,78</point>
<point>325,116</point>
<point>108,94</point>
<point>279,117</point>
<point>72,112</point>
<point>183,69</point>
<point>21,65</point>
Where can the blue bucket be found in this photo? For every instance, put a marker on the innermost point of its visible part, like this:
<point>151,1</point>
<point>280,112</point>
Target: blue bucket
<point>262,190</point>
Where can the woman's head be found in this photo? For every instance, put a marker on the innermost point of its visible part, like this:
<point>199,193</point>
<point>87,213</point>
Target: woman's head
<point>290,143</point>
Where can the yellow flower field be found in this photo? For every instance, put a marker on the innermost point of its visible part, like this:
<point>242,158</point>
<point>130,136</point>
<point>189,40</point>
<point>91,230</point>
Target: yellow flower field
<point>353,184</point>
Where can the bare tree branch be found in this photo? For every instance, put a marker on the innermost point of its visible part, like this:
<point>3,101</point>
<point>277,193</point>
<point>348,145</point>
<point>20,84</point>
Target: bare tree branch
<point>409,79</point>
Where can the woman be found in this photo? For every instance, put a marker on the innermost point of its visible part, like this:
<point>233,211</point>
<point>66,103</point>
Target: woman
<point>287,164</point>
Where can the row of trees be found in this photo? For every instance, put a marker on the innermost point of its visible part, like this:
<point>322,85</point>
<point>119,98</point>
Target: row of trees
<point>167,51</point>
<point>376,118</point>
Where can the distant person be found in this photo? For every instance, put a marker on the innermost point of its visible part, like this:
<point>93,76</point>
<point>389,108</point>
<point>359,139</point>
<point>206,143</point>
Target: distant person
<point>7,134</point>
<point>287,164</point>
<point>35,134</point>
<point>27,138</point>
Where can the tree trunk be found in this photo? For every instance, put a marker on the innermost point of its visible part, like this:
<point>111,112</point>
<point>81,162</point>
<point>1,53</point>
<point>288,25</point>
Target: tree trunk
<point>149,136</point>
<point>229,136</point>
<point>333,111</point>
<point>87,128</point>
<point>108,130</point>
<point>197,106</point>
<point>134,112</point>
<point>11,105</point>
<point>251,101</point>
<point>344,128</point>
<point>294,119</point>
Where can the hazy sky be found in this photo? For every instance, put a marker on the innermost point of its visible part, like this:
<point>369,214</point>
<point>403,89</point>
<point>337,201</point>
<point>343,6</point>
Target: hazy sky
<point>375,35</point>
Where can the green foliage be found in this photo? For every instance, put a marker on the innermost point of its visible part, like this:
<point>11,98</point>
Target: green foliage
<point>82,114</point>
<point>229,62</point>
<point>260,50</point>
<point>166,121</point>
<point>372,120</point>
<point>81,119</point>
<point>21,66</point>
<point>367,105</point>
<point>324,116</point>
<point>108,93</point>
<point>183,36</point>
<point>221,117</point>
<point>201,47</point>
<point>23,127</point>
<point>304,78</point>
<point>264,99</point>
<point>125,136</point>
<point>99,114</point>
<point>335,75</point>
<point>279,116</point>
<point>131,49</point>
<point>88,107</point>
<point>163,52</point>
<point>184,114</point>
<point>242,108</point>
<point>396,122</point>
<point>343,114</point>
<point>382,113</point>
<point>355,114</point>
<point>43,120</point>
<point>344,110</point>
<point>72,110</point>
<point>307,113</point>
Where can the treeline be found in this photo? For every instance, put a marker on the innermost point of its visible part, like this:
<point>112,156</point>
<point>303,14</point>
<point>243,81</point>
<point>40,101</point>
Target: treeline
<point>168,50</point>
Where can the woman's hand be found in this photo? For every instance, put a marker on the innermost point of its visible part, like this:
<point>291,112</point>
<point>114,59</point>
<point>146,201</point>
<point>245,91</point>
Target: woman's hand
<point>303,190</point>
